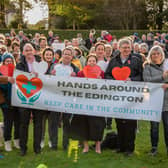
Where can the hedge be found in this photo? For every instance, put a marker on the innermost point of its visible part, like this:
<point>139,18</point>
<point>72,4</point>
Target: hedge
<point>69,34</point>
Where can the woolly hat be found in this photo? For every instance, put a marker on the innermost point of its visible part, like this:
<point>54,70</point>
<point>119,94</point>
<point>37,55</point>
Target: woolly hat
<point>6,55</point>
<point>135,34</point>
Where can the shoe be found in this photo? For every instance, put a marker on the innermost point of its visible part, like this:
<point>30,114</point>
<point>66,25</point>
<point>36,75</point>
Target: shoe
<point>37,152</point>
<point>8,147</point>
<point>153,152</point>
<point>118,150</point>
<point>22,153</point>
<point>16,144</point>
<point>42,144</point>
<point>49,144</point>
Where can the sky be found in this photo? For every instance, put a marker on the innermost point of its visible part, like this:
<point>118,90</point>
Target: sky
<point>36,14</point>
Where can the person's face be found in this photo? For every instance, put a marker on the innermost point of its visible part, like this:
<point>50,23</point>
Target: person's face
<point>16,49</point>
<point>144,37</point>
<point>43,44</point>
<point>115,46</point>
<point>75,43</point>
<point>50,34</point>
<point>143,50</point>
<point>20,33</point>
<point>67,57</point>
<point>149,38</point>
<point>29,52</point>
<point>48,56</point>
<point>37,36</point>
<point>125,50</point>
<point>57,56</point>
<point>8,61</point>
<point>156,57</point>
<point>108,51</point>
<point>91,61</point>
<point>100,51</point>
<point>136,48</point>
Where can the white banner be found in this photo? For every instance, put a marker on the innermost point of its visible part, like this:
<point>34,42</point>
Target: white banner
<point>97,97</point>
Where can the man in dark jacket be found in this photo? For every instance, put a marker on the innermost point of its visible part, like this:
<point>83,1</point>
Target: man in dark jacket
<point>90,41</point>
<point>26,65</point>
<point>126,128</point>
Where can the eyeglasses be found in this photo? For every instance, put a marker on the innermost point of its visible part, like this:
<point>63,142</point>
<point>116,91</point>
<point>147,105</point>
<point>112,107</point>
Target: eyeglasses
<point>126,48</point>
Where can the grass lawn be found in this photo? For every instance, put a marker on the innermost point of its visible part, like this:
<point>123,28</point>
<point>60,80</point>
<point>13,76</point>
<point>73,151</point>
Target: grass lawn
<point>108,158</point>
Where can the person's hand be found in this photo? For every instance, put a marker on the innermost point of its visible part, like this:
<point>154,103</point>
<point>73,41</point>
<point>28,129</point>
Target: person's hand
<point>128,79</point>
<point>35,74</point>
<point>99,77</point>
<point>165,74</point>
<point>73,74</point>
<point>11,80</point>
<point>165,86</point>
<point>53,72</point>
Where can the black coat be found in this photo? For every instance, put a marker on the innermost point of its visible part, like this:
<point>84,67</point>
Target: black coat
<point>23,66</point>
<point>88,43</point>
<point>133,62</point>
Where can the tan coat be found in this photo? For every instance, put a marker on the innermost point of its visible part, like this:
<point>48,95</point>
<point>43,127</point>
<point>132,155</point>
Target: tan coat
<point>3,80</point>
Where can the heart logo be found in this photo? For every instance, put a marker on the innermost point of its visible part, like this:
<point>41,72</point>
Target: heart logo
<point>28,87</point>
<point>92,72</point>
<point>121,73</point>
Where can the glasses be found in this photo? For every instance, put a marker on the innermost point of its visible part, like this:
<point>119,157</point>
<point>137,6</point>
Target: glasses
<point>125,48</point>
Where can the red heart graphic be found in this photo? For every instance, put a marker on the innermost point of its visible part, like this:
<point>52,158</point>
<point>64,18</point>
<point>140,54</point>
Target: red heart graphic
<point>92,72</point>
<point>121,73</point>
<point>28,87</point>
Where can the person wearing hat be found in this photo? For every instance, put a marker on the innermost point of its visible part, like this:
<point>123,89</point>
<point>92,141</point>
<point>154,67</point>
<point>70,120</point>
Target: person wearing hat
<point>10,114</point>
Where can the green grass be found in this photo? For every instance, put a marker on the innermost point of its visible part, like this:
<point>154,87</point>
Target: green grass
<point>108,158</point>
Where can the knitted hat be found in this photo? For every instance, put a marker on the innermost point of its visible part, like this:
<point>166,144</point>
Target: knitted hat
<point>6,55</point>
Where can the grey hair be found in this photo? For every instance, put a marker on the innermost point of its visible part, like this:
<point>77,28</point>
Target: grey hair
<point>27,45</point>
<point>144,45</point>
<point>124,41</point>
<point>155,48</point>
<point>136,44</point>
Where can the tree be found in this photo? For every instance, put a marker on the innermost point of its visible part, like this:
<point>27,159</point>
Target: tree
<point>22,5</point>
<point>157,13</point>
<point>76,12</point>
<point>3,5</point>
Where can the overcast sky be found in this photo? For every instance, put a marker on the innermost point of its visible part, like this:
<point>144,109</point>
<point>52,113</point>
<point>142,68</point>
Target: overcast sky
<point>36,14</point>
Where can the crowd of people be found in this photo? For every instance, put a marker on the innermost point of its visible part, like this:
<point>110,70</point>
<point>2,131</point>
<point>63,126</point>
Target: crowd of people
<point>145,56</point>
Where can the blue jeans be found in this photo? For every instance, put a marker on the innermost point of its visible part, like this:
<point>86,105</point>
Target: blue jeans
<point>155,130</point>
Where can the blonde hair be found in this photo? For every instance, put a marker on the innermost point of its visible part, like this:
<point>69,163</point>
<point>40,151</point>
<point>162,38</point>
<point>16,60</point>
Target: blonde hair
<point>155,48</point>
